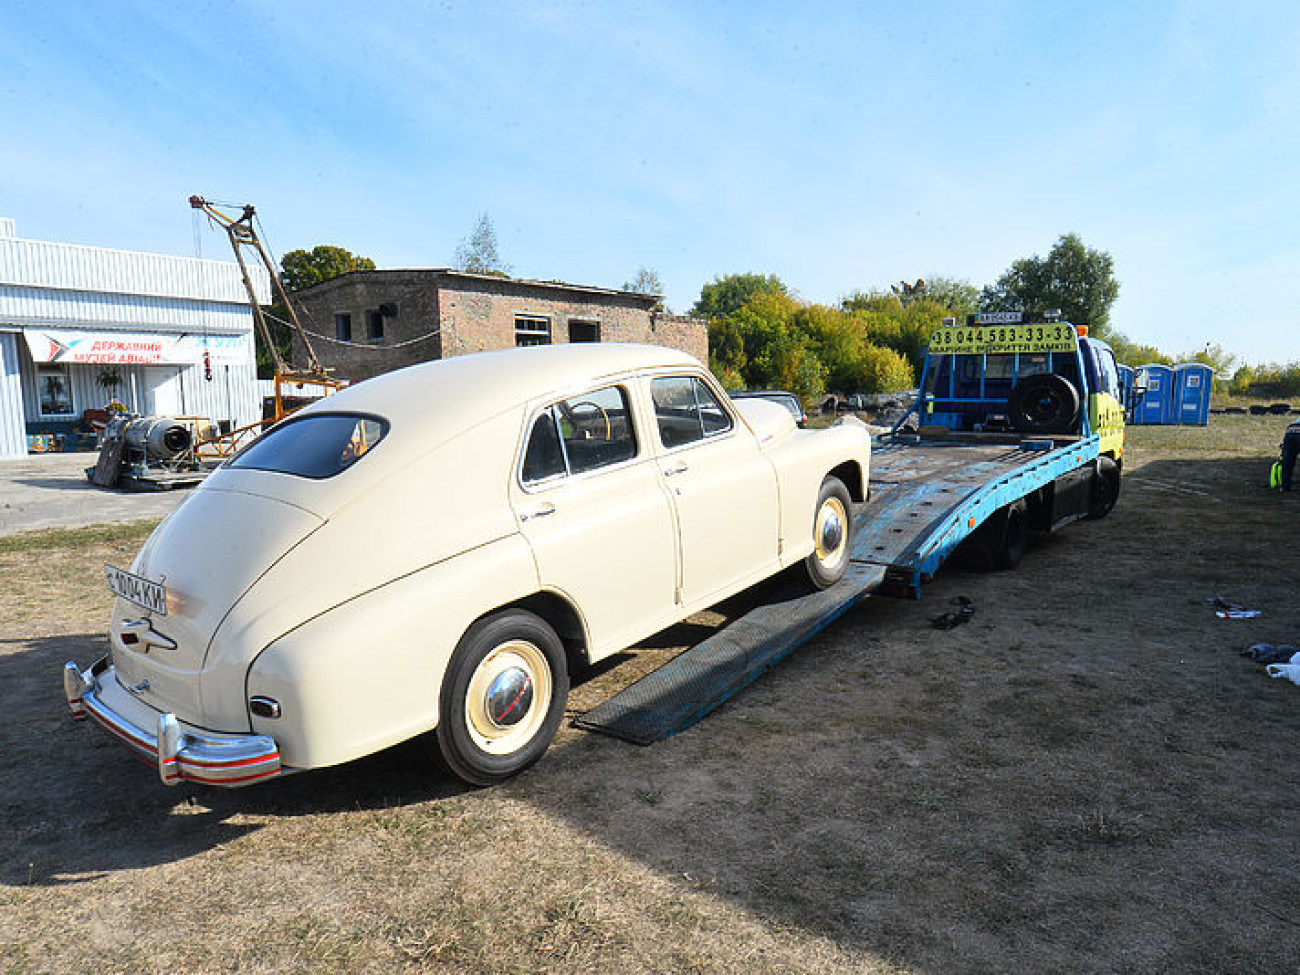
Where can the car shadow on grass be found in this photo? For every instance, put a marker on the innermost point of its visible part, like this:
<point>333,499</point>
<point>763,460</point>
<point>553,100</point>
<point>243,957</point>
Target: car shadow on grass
<point>78,805</point>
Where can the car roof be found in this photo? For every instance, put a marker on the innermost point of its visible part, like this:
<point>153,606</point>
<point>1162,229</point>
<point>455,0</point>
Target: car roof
<point>450,394</point>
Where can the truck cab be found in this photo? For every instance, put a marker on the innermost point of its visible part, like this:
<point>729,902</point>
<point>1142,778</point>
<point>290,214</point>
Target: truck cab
<point>1036,384</point>
<point>1017,374</point>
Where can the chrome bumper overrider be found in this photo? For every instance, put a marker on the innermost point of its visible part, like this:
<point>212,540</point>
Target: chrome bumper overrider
<point>179,751</point>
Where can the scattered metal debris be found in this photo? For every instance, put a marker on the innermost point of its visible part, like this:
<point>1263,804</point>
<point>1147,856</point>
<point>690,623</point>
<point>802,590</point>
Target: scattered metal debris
<point>1226,609</point>
<point>957,617</point>
<point>1267,653</point>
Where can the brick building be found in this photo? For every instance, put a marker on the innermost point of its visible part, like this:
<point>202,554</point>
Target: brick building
<point>368,322</point>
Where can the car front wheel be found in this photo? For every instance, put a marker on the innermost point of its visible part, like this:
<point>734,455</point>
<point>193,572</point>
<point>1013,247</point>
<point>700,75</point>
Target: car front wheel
<point>832,535</point>
<point>502,697</point>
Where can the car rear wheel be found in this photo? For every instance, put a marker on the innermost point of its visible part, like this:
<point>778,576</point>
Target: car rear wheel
<point>502,697</point>
<point>832,535</point>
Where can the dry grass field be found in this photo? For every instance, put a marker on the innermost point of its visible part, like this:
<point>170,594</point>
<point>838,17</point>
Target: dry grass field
<point>1087,777</point>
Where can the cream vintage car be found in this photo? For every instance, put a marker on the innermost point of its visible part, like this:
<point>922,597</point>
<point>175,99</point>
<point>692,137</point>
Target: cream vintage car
<point>431,552</point>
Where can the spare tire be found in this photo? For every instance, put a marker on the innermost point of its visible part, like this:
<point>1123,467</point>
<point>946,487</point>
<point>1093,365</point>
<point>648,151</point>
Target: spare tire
<point>1045,403</point>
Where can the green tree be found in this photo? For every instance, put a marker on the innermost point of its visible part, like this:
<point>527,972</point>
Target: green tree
<point>906,328</point>
<point>1135,354</point>
<point>727,295</point>
<point>647,282</point>
<point>1078,280</point>
<point>478,253</point>
<point>301,269</point>
<point>959,297</point>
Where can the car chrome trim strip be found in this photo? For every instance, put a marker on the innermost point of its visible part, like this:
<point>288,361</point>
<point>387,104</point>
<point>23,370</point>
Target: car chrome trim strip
<point>179,751</point>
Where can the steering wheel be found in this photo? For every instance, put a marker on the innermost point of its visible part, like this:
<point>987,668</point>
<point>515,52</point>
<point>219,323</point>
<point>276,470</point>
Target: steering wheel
<point>570,412</point>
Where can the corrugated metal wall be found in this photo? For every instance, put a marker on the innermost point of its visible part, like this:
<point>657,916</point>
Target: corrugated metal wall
<point>45,264</point>
<point>54,285</point>
<point>52,307</point>
<point>231,394</point>
<point>13,432</point>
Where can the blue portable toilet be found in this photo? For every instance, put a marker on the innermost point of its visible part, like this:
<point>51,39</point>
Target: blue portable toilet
<point>1193,382</point>
<point>1157,404</point>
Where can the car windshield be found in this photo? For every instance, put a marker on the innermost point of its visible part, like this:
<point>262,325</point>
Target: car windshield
<point>315,446</point>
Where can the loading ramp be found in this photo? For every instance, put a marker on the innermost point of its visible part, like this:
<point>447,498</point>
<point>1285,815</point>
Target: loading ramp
<point>926,498</point>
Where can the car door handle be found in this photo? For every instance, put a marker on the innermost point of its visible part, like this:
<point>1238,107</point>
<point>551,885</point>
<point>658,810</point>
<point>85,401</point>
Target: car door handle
<point>545,511</point>
<point>678,469</point>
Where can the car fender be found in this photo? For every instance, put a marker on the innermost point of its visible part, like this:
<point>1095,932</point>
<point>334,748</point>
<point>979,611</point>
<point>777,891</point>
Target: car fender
<point>366,674</point>
<point>802,462</point>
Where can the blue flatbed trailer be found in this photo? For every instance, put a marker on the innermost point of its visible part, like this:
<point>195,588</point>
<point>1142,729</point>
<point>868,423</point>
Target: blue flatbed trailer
<point>1019,427</point>
<point>928,496</point>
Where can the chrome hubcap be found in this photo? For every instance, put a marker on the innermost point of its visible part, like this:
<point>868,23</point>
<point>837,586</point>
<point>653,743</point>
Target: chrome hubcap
<point>508,697</point>
<point>830,533</point>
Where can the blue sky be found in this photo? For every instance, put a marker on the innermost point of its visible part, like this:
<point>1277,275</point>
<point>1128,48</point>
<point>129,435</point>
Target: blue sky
<point>839,146</point>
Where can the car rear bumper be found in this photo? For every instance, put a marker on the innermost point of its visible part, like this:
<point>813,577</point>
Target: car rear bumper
<point>180,752</point>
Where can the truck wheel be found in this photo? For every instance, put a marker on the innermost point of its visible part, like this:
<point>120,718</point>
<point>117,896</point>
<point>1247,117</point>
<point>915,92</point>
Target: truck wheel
<point>999,543</point>
<point>502,697</point>
<point>1105,488</point>
<point>832,535</point>
<point>1045,403</point>
<point>1015,536</point>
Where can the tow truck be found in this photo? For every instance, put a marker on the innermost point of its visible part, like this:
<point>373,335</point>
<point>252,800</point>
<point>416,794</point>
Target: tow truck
<point>1018,427</point>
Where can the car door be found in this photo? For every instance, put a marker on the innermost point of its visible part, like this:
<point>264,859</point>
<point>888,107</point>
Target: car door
<point>724,491</point>
<point>589,501</point>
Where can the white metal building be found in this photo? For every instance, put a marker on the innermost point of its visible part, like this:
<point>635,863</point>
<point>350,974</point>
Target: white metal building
<point>80,326</point>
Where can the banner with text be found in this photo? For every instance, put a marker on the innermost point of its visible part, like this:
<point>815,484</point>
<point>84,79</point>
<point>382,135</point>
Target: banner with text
<point>132,348</point>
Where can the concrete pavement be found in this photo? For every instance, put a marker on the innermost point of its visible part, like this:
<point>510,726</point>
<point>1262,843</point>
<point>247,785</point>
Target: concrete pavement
<point>51,491</point>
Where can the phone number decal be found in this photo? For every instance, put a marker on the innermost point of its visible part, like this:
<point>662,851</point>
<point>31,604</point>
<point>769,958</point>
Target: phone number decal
<point>992,339</point>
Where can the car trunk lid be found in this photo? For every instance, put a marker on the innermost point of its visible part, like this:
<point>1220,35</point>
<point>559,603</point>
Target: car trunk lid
<point>206,555</point>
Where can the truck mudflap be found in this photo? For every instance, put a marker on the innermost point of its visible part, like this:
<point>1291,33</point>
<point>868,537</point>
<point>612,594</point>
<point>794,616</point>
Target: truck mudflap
<point>180,752</point>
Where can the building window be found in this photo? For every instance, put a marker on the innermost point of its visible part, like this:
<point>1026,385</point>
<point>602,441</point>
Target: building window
<point>374,324</point>
<point>581,330</point>
<point>55,390</point>
<point>343,326</point>
<point>532,330</point>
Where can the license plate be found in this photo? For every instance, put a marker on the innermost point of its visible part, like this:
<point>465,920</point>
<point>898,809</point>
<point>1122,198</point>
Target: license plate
<point>139,590</point>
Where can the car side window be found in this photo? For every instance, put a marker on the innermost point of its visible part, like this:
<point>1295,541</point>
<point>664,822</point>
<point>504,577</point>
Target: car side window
<point>544,458</point>
<point>579,434</point>
<point>686,410</point>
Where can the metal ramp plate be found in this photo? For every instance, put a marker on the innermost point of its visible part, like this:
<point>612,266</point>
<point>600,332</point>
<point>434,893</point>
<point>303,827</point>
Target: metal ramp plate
<point>692,684</point>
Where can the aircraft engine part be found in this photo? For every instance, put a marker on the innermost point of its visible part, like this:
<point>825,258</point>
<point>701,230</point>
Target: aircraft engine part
<point>160,437</point>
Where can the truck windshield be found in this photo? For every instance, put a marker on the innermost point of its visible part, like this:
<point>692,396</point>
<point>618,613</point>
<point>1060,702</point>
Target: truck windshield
<point>316,446</point>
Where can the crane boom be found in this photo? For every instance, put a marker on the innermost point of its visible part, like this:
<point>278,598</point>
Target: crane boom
<point>289,382</point>
<point>242,234</point>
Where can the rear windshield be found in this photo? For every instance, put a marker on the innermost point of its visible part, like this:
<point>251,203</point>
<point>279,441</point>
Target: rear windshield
<point>316,446</point>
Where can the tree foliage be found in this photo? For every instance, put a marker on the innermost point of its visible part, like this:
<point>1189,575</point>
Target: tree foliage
<point>773,340</point>
<point>727,295</point>
<point>1078,280</point>
<point>478,252</point>
<point>301,269</point>
<point>1271,379</point>
<point>646,281</point>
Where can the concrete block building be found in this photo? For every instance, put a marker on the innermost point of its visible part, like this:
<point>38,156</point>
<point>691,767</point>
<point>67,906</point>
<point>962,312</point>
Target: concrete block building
<point>365,323</point>
<point>80,326</point>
